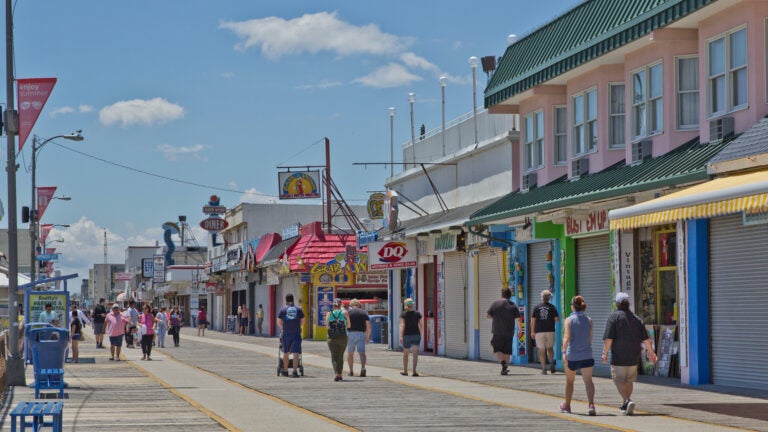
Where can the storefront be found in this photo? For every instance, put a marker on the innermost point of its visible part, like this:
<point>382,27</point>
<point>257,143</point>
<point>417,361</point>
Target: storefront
<point>491,279</point>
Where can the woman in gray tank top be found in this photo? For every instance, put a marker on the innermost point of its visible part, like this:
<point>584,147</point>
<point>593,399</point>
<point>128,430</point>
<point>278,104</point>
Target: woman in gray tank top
<point>577,346</point>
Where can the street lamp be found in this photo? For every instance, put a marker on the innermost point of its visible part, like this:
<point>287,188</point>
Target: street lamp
<point>391,141</point>
<point>443,81</point>
<point>411,100</point>
<point>473,62</point>
<point>34,223</point>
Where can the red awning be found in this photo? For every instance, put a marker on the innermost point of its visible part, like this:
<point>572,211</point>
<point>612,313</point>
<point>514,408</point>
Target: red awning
<point>314,246</point>
<point>266,242</point>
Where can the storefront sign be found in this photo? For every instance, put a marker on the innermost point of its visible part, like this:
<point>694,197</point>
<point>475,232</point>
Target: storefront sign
<point>35,302</point>
<point>376,206</point>
<point>595,221</point>
<point>147,267</point>
<point>324,303</point>
<point>390,210</point>
<point>524,234</point>
<point>158,268</point>
<point>213,224</point>
<point>627,265</point>
<point>234,257</point>
<point>445,242</point>
<point>298,185</point>
<point>365,237</point>
<point>214,210</point>
<point>392,254</point>
<point>273,275</point>
<point>123,276</point>
<point>372,278</point>
<point>339,279</point>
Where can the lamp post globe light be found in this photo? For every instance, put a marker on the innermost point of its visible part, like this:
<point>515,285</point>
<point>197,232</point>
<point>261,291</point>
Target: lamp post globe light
<point>411,100</point>
<point>443,82</point>
<point>473,62</point>
<point>34,222</point>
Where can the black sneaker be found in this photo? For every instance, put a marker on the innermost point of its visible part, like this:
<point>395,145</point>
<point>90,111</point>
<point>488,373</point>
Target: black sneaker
<point>284,373</point>
<point>630,407</point>
<point>552,367</point>
<point>295,374</point>
<point>623,408</point>
<point>362,372</point>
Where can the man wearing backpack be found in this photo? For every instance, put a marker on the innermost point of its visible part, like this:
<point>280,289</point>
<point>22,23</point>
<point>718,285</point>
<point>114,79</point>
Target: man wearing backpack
<point>337,322</point>
<point>290,320</point>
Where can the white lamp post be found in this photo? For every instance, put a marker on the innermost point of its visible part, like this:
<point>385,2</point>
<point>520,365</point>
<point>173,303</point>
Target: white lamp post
<point>473,62</point>
<point>443,81</point>
<point>411,100</point>
<point>391,141</point>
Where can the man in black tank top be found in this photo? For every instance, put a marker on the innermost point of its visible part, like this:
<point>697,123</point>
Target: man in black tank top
<point>359,333</point>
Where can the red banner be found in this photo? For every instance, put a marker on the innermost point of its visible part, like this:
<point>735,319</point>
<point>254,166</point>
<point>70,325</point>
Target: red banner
<point>45,229</point>
<point>33,94</point>
<point>44,197</point>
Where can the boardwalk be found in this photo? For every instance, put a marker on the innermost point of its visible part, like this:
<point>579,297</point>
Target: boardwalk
<point>229,382</point>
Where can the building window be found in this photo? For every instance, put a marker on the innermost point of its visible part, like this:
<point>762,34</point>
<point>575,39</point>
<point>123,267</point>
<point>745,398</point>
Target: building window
<point>585,122</point>
<point>617,115</point>
<point>727,71</point>
<point>561,135</point>
<point>534,140</point>
<point>647,102</point>
<point>688,92</point>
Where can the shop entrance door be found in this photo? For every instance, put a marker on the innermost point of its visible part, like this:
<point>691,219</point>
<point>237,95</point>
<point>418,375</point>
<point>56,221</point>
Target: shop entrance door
<point>430,308</point>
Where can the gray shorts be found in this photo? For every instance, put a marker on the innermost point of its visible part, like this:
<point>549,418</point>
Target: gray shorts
<point>98,328</point>
<point>409,340</point>
<point>356,340</point>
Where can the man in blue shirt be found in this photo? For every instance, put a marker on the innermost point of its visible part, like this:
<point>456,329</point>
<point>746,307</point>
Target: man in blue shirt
<point>290,320</point>
<point>49,315</point>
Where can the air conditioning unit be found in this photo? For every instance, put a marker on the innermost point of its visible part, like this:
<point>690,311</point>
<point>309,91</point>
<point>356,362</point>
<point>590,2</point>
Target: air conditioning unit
<point>720,128</point>
<point>642,150</point>
<point>529,181</point>
<point>579,167</point>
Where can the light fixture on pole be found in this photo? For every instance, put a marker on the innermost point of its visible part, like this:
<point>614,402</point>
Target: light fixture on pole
<point>411,100</point>
<point>443,82</point>
<point>34,222</point>
<point>391,141</point>
<point>473,62</point>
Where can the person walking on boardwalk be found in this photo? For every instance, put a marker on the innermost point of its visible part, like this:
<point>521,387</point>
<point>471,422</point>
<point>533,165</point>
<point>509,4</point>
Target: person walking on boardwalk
<point>543,320</point>
<point>290,320</point>
<point>202,321</point>
<point>359,334</point>
<point>504,315</point>
<point>245,316</point>
<point>337,321</point>
<point>76,333</point>
<point>175,325</point>
<point>99,316</point>
<point>411,328</point>
<point>577,352</point>
<point>259,320</point>
<point>116,323</point>
<point>147,323</point>
<point>624,334</point>
<point>133,322</point>
<point>161,327</point>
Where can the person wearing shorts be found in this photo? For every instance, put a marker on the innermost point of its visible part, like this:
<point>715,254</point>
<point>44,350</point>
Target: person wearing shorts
<point>99,316</point>
<point>358,335</point>
<point>543,320</point>
<point>623,337</point>
<point>245,314</point>
<point>290,320</point>
<point>116,322</point>
<point>504,315</point>
<point>577,352</point>
<point>410,335</point>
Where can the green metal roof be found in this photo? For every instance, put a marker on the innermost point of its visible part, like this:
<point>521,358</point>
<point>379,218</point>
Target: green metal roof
<point>588,31</point>
<point>685,164</point>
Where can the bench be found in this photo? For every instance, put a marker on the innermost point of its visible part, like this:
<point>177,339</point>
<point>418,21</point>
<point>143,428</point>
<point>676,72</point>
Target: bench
<point>37,412</point>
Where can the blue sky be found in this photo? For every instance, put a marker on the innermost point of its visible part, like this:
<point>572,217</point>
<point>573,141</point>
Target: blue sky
<point>222,92</point>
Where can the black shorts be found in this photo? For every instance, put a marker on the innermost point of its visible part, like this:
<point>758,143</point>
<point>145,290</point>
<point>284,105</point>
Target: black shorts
<point>243,322</point>
<point>502,344</point>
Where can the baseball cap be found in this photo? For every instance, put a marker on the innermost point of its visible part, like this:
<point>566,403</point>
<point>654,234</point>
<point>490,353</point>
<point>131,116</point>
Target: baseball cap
<point>622,297</point>
<point>336,301</point>
<point>115,306</point>
<point>408,302</point>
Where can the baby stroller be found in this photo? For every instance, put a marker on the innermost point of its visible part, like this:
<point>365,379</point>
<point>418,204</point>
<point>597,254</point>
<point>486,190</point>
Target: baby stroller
<point>291,359</point>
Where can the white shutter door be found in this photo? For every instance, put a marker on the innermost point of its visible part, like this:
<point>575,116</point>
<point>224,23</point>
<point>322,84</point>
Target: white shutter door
<point>455,305</point>
<point>739,300</point>
<point>490,277</point>
<point>593,282</point>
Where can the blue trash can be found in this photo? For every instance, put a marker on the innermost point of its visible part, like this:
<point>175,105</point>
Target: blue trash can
<point>28,327</point>
<point>51,344</point>
<point>378,323</point>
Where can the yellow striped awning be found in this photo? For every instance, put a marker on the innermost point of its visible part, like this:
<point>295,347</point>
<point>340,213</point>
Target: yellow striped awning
<point>721,196</point>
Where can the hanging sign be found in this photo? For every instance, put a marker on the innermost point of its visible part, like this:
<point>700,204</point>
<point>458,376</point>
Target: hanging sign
<point>44,197</point>
<point>213,224</point>
<point>298,185</point>
<point>33,94</point>
<point>391,254</point>
<point>376,206</point>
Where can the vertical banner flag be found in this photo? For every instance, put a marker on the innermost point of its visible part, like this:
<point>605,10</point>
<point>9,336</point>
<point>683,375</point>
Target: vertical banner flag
<point>45,229</point>
<point>33,94</point>
<point>44,197</point>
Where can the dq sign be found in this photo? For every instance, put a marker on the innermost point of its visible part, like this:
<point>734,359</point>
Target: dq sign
<point>391,254</point>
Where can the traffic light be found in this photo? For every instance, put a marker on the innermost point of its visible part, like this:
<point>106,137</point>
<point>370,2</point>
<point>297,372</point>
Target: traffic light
<point>25,214</point>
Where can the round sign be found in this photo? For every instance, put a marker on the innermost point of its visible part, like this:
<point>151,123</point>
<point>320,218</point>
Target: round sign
<point>213,224</point>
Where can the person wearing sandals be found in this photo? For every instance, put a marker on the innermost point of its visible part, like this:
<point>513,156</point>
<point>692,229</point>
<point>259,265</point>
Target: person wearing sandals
<point>359,334</point>
<point>410,335</point>
<point>116,330</point>
<point>147,323</point>
<point>577,349</point>
<point>337,343</point>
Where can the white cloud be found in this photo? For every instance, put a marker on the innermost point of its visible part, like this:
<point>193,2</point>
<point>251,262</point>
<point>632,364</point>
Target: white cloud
<point>414,61</point>
<point>313,33</point>
<point>391,75</point>
<point>62,110</point>
<point>83,246</point>
<point>85,108</point>
<point>173,153</point>
<point>322,85</point>
<point>140,111</point>
<point>227,75</point>
<point>253,196</point>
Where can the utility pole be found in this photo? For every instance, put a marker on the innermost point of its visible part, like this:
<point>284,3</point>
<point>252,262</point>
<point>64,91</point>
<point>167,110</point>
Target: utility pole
<point>107,273</point>
<point>328,183</point>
